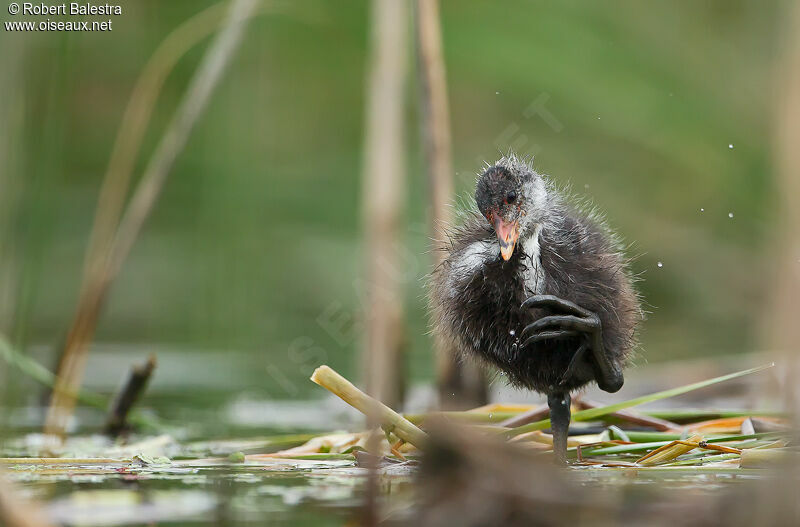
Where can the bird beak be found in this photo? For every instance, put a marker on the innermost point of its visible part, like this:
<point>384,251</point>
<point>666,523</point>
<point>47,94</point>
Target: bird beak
<point>507,235</point>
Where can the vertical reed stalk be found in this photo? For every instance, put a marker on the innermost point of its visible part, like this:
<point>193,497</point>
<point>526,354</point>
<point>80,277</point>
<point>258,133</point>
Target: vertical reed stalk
<point>780,319</point>
<point>776,501</point>
<point>461,385</point>
<point>383,197</point>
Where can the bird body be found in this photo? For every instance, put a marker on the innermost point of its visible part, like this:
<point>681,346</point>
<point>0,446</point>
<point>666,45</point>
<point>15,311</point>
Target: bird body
<point>526,242</point>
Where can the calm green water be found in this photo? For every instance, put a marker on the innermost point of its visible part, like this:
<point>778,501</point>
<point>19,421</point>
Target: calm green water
<point>291,492</point>
<point>212,407</point>
<point>327,494</point>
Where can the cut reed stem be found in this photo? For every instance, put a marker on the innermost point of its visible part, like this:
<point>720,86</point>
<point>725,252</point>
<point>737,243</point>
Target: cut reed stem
<point>126,398</point>
<point>390,420</point>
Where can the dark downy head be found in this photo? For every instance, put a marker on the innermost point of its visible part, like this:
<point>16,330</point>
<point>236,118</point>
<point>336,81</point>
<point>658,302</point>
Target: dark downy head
<point>512,197</point>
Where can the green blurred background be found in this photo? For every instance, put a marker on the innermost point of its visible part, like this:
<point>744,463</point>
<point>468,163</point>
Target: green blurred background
<point>660,112</point>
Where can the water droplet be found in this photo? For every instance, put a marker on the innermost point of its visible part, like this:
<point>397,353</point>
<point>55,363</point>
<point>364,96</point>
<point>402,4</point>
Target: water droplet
<point>512,332</point>
<point>730,214</point>
<point>730,146</point>
<point>660,264</point>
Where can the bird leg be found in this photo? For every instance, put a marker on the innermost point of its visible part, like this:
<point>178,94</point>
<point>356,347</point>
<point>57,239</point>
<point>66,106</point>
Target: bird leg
<point>559,403</point>
<point>576,358</point>
<point>576,321</point>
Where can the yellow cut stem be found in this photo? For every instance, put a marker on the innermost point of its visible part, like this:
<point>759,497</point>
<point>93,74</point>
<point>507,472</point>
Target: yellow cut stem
<point>669,452</point>
<point>390,420</point>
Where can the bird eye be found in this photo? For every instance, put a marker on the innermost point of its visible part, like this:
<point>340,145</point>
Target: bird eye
<point>511,197</point>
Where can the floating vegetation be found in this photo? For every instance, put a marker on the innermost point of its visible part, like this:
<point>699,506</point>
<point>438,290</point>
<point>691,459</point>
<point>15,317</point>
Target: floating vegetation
<point>630,438</point>
<point>308,471</point>
<point>699,441</point>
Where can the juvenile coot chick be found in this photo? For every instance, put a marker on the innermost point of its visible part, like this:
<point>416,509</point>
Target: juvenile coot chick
<point>537,288</point>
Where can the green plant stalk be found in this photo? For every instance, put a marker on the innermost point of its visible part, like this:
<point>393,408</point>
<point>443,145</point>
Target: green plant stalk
<point>677,415</point>
<point>616,432</point>
<point>691,415</point>
<point>39,373</point>
<point>593,413</point>
<point>650,437</point>
<point>643,437</point>
<point>42,375</point>
<point>640,447</point>
<point>624,449</point>
<point>743,437</point>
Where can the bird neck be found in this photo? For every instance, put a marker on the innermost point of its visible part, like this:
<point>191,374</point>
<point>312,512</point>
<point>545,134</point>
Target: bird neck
<point>529,239</point>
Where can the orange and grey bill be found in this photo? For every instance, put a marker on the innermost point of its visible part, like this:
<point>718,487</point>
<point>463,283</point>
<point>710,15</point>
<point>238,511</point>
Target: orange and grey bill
<point>507,235</point>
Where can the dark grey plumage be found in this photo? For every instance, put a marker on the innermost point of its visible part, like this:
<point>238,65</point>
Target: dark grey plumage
<point>476,295</point>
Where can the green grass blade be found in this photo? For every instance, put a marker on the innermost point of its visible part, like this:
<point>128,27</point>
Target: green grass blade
<point>742,437</point>
<point>641,447</point>
<point>624,449</point>
<point>644,437</point>
<point>593,413</point>
<point>42,375</point>
<point>39,373</point>
<point>691,415</point>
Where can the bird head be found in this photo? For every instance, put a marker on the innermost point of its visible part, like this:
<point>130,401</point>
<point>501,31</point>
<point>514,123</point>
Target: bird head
<point>512,197</point>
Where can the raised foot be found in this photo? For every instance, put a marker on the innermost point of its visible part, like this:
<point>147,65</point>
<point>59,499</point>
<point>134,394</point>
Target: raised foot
<point>571,321</point>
